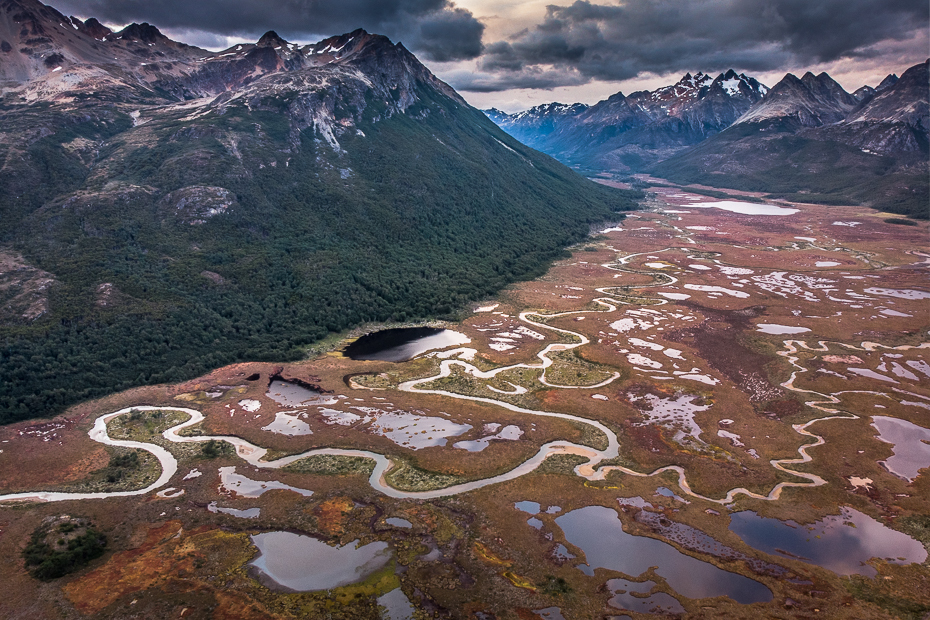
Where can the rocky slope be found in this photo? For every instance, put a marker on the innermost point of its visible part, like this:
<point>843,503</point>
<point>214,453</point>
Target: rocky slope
<point>811,101</point>
<point>185,209</point>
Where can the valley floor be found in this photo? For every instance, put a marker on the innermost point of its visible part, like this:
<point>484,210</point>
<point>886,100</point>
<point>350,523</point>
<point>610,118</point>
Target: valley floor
<point>705,364</point>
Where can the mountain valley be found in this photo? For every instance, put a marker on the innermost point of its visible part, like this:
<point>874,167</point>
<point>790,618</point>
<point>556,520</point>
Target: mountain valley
<point>291,330</point>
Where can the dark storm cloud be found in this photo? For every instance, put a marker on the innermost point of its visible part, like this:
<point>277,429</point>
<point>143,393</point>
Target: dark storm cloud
<point>433,28</point>
<point>449,35</point>
<point>622,40</point>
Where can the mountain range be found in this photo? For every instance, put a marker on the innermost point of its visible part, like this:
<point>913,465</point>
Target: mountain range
<point>167,210</point>
<point>805,138</point>
<point>629,132</point>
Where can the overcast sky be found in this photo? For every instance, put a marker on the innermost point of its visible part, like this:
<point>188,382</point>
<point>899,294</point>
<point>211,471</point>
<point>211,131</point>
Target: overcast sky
<point>514,54</point>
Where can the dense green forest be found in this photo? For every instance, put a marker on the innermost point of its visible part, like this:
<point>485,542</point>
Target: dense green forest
<point>410,218</point>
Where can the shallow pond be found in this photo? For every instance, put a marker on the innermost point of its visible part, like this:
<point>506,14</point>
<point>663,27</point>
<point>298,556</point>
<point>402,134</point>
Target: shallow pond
<point>398,345</point>
<point>231,482</point>
<point>775,329</point>
<point>249,513</point>
<point>911,446</point>
<point>841,543</point>
<point>746,208</point>
<point>598,532</point>
<point>291,394</point>
<point>676,414</point>
<point>305,564</point>
<point>658,603</point>
<point>396,605</point>
<point>285,424</point>
<point>508,433</point>
<point>899,293</point>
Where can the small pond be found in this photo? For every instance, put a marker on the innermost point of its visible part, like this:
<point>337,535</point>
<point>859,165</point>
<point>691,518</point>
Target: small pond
<point>249,513</point>
<point>305,564</point>
<point>746,208</point>
<point>291,394</point>
<point>398,345</point>
<point>658,603</point>
<point>842,543</point>
<point>910,444</point>
<point>286,424</point>
<point>231,482</point>
<point>396,605</point>
<point>598,532</point>
<point>775,329</point>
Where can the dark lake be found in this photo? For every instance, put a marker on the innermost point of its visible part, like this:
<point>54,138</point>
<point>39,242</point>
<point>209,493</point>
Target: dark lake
<point>398,345</point>
<point>599,533</point>
<point>843,543</point>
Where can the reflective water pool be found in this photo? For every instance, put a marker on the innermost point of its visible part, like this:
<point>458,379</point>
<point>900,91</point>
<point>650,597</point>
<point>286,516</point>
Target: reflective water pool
<point>910,444</point>
<point>398,345</point>
<point>305,564</point>
<point>841,543</point>
<point>598,532</point>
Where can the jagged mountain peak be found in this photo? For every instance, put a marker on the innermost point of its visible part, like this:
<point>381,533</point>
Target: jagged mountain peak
<point>613,131</point>
<point>740,85</point>
<point>271,39</point>
<point>144,32</point>
<point>92,27</point>
<point>888,82</point>
<point>554,108</point>
<point>904,102</point>
<point>689,86</point>
<point>344,44</point>
<point>863,92</point>
<point>46,56</point>
<point>809,101</point>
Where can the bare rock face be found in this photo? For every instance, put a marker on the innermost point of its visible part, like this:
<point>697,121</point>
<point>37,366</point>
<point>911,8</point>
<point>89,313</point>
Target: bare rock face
<point>896,119</point>
<point>105,294</point>
<point>811,101</point>
<point>196,204</point>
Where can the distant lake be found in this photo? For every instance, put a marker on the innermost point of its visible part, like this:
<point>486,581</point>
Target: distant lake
<point>398,345</point>
<point>746,208</point>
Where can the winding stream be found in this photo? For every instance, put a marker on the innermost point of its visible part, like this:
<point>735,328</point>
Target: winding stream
<point>254,455</point>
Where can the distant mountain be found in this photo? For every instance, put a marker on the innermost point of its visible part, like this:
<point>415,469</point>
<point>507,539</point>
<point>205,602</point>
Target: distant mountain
<point>812,101</point>
<point>630,132</point>
<point>167,210</point>
<point>811,140</point>
<point>889,81</point>
<point>533,126</point>
<point>805,138</point>
<point>862,93</point>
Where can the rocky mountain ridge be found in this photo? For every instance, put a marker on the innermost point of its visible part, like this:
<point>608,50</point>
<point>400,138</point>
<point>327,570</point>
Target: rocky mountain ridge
<point>627,132</point>
<point>811,140</point>
<point>710,130</point>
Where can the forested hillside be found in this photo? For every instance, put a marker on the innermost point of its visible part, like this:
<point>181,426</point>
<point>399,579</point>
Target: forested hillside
<point>175,237</point>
